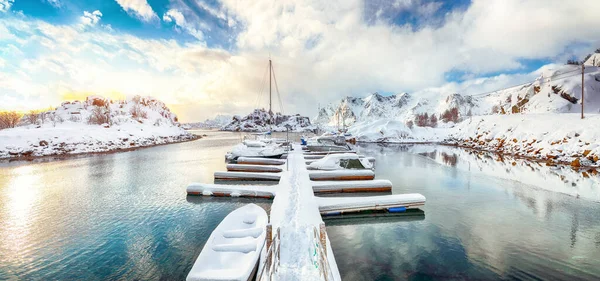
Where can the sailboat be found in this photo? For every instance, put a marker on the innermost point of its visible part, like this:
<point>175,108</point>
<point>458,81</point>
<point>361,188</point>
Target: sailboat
<point>262,146</point>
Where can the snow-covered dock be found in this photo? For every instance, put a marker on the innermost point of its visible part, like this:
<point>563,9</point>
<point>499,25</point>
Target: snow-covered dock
<point>208,189</point>
<point>260,161</point>
<point>352,186</point>
<point>297,246</point>
<point>396,202</point>
<point>253,168</point>
<point>340,175</point>
<point>247,176</point>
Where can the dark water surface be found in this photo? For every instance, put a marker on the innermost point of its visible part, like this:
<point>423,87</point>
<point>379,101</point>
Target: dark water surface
<point>126,216</point>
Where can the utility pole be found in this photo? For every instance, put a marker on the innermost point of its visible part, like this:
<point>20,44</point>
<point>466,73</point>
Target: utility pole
<point>582,88</point>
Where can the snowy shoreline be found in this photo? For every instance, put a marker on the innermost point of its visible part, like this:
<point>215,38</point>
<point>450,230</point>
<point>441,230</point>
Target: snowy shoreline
<point>550,138</point>
<point>115,150</point>
<point>15,146</point>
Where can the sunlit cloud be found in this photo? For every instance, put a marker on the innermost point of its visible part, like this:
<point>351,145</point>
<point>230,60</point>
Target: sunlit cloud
<point>205,58</point>
<point>138,8</point>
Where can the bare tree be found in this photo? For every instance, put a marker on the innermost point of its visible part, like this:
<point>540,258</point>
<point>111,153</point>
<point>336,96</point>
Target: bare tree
<point>9,119</point>
<point>433,121</point>
<point>33,117</point>
<point>100,115</point>
<point>55,118</point>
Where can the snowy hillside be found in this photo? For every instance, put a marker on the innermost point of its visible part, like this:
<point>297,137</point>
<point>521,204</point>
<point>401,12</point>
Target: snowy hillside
<point>539,120</point>
<point>93,125</point>
<point>215,123</point>
<point>258,121</point>
<point>400,107</point>
<point>557,90</point>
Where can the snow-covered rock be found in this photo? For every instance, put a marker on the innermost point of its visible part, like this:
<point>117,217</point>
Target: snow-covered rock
<point>593,60</point>
<point>549,137</point>
<point>94,125</point>
<point>260,121</point>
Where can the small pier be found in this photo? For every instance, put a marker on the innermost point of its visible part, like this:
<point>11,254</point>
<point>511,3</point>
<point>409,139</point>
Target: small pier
<point>296,225</point>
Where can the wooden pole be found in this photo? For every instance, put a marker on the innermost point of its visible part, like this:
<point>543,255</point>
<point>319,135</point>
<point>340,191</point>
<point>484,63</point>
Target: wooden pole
<point>582,88</point>
<point>269,244</point>
<point>323,238</point>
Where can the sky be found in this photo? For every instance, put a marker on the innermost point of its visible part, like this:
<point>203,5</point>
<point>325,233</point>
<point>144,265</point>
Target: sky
<point>208,57</point>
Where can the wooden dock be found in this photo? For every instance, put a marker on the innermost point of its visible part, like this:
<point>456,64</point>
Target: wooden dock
<point>296,212</point>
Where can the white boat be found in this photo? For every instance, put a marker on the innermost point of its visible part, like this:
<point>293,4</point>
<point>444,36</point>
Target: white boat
<point>350,161</point>
<point>255,149</point>
<point>263,146</point>
<point>328,143</point>
<point>233,249</point>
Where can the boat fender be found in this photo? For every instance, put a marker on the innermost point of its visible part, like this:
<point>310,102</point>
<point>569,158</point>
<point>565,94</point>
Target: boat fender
<point>397,210</point>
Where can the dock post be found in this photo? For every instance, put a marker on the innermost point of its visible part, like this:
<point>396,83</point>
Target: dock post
<point>269,236</point>
<point>323,238</point>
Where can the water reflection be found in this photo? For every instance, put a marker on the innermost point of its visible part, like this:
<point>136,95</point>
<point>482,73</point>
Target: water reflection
<point>126,216</point>
<point>485,220</point>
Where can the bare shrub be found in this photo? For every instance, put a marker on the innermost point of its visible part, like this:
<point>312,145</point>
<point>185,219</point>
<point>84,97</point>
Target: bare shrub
<point>450,115</point>
<point>55,118</point>
<point>422,119</point>
<point>33,116</point>
<point>137,112</point>
<point>9,119</point>
<point>99,116</point>
<point>99,102</point>
<point>495,109</point>
<point>410,124</point>
<point>433,121</point>
<point>136,99</point>
<point>75,118</point>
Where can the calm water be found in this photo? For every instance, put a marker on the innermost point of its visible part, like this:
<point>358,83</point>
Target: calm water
<point>126,216</point>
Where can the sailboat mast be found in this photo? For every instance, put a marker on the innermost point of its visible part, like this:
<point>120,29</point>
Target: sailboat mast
<point>270,97</point>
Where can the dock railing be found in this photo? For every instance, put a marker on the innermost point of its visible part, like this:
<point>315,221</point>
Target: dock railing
<point>320,237</point>
<point>272,259</point>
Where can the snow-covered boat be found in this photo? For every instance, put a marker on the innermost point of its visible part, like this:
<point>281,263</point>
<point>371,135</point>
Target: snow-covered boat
<point>233,249</point>
<point>328,143</point>
<point>341,161</point>
<point>255,149</point>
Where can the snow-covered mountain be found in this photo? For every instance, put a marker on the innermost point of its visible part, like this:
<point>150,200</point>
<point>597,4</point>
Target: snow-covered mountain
<point>258,121</point>
<point>94,125</point>
<point>557,90</point>
<point>400,107</point>
<point>214,123</point>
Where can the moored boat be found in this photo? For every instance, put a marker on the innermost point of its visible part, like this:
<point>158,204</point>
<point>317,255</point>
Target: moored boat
<point>328,143</point>
<point>233,249</point>
<point>255,149</point>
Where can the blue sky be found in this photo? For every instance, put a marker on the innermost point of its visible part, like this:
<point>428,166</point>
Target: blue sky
<point>205,57</point>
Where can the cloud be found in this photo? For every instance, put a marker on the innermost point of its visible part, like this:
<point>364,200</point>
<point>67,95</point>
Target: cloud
<point>322,51</point>
<point>55,3</point>
<point>5,5</point>
<point>90,19</point>
<point>177,17</point>
<point>139,8</point>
